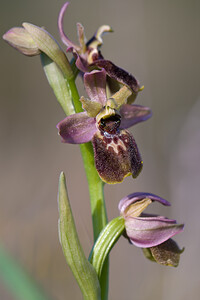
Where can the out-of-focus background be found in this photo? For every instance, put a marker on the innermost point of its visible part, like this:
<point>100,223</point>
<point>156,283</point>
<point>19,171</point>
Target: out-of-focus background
<point>158,42</point>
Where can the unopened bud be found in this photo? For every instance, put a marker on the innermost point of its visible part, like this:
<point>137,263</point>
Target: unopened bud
<point>20,39</point>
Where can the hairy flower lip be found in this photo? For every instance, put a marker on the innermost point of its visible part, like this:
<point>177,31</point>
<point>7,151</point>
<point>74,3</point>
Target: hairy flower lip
<point>166,254</point>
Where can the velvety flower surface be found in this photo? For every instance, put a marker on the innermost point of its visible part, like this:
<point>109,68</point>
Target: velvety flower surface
<point>104,122</point>
<point>145,230</point>
<point>166,254</point>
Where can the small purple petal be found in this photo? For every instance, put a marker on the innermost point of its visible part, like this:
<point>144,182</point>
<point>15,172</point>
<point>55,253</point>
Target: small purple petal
<point>152,231</point>
<point>82,64</point>
<point>95,85</point>
<point>133,114</point>
<point>63,36</point>
<point>118,74</point>
<point>77,128</point>
<point>132,198</point>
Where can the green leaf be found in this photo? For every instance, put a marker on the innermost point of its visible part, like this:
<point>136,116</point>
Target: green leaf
<point>17,280</point>
<point>83,271</point>
<point>105,242</point>
<point>58,83</point>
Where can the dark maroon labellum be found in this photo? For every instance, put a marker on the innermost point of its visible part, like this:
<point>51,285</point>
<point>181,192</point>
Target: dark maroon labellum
<point>110,124</point>
<point>116,155</point>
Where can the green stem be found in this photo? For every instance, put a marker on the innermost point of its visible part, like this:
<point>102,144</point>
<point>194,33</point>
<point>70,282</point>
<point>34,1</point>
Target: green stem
<point>98,209</point>
<point>75,70</point>
<point>75,95</point>
<point>95,184</point>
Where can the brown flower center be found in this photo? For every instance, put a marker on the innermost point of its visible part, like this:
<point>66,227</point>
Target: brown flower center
<point>110,124</point>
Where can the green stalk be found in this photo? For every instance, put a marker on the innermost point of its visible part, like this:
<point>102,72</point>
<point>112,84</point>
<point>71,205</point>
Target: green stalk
<point>75,95</point>
<point>96,191</point>
<point>98,209</point>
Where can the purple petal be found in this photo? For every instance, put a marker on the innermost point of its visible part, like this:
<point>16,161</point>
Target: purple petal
<point>151,217</point>
<point>118,74</point>
<point>63,36</point>
<point>82,64</point>
<point>77,128</point>
<point>130,199</point>
<point>150,231</point>
<point>95,85</point>
<point>133,114</point>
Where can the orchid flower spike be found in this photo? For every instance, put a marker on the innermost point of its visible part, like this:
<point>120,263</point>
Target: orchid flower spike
<point>104,122</point>
<point>151,232</point>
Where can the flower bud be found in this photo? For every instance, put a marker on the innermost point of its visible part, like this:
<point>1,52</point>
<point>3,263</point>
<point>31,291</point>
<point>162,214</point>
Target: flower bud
<point>20,39</point>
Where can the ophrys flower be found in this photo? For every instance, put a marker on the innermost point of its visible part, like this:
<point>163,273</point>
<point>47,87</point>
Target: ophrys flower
<point>104,122</point>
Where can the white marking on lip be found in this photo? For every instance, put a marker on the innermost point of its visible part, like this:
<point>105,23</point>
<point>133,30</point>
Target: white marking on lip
<point>115,145</point>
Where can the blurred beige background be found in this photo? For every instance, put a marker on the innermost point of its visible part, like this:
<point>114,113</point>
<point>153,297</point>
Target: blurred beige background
<point>158,42</point>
